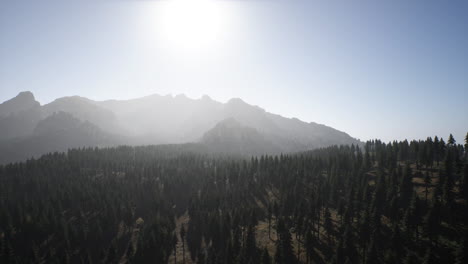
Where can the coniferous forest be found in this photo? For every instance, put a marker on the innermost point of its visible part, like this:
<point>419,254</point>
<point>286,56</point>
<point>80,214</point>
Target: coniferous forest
<point>398,202</point>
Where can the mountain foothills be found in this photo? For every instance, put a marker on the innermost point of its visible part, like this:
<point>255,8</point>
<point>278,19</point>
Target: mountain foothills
<point>402,202</point>
<point>219,183</point>
<point>28,129</point>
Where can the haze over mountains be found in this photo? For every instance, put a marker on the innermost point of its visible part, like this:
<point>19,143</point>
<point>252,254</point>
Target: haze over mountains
<point>28,129</point>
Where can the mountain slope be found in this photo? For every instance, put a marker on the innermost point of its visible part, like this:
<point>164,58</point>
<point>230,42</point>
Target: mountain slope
<point>180,119</point>
<point>85,110</point>
<point>19,116</point>
<point>233,127</point>
<point>22,102</point>
<point>230,136</point>
<point>159,119</point>
<point>58,132</point>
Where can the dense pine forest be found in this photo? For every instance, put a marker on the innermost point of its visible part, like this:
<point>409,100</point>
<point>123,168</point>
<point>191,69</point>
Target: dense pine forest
<point>398,202</point>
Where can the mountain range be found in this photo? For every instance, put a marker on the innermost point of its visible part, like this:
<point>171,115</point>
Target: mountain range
<point>29,129</point>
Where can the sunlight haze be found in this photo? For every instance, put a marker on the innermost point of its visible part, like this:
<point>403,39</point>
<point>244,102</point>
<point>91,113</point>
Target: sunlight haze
<point>234,131</point>
<point>373,70</point>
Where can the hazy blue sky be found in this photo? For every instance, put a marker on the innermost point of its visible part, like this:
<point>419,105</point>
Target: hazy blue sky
<point>374,69</point>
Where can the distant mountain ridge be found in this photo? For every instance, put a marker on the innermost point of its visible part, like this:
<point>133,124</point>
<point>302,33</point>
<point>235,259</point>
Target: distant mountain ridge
<point>19,116</point>
<point>23,101</point>
<point>232,127</point>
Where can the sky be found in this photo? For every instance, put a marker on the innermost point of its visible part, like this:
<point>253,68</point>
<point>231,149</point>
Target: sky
<point>374,69</point>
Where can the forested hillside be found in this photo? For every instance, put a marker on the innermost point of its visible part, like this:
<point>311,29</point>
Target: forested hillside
<point>401,202</point>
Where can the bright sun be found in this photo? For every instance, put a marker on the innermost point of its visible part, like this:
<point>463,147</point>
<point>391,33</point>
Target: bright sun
<point>192,24</point>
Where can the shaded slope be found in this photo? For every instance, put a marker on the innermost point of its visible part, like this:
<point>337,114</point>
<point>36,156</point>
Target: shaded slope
<point>58,132</point>
<point>229,136</point>
<point>19,116</point>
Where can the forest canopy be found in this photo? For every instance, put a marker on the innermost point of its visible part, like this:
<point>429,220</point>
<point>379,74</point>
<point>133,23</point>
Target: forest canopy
<point>397,202</point>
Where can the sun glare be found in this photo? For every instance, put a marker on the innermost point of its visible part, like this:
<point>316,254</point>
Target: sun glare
<point>192,24</point>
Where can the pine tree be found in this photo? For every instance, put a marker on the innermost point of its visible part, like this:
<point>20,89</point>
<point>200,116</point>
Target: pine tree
<point>412,217</point>
<point>406,185</point>
<point>448,182</point>
<point>81,198</point>
<point>266,259</point>
<point>451,140</point>
<point>442,149</point>
<point>372,255</point>
<point>128,254</point>
<point>397,242</point>
<point>364,232</point>
<point>393,210</point>
<point>174,245</point>
<point>432,222</point>
<point>464,182</point>
<point>182,237</point>
<point>328,224</point>
<point>376,221</point>
<point>284,250</point>
<point>111,253</point>
<point>430,258</point>
<point>436,149</point>
<point>309,245</point>
<point>7,255</point>
<point>411,258</point>
<point>427,182</point>
<point>201,258</point>
<point>348,248</point>
<point>270,212</point>
<point>461,255</point>
<point>250,251</point>
<point>466,146</point>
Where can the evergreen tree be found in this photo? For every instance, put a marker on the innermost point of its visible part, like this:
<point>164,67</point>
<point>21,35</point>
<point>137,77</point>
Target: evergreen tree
<point>270,212</point>
<point>87,204</point>
<point>372,255</point>
<point>464,182</point>
<point>128,254</point>
<point>328,224</point>
<point>412,216</point>
<point>266,259</point>
<point>182,237</point>
<point>427,183</point>
<point>430,258</point>
<point>174,245</point>
<point>284,250</point>
<point>309,245</point>
<point>406,185</point>
<point>466,147</point>
<point>411,258</point>
<point>397,242</point>
<point>436,150</point>
<point>461,255</point>
<point>364,231</point>
<point>250,251</point>
<point>432,222</point>
<point>451,140</point>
